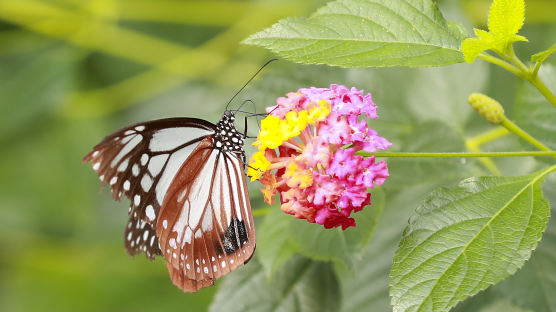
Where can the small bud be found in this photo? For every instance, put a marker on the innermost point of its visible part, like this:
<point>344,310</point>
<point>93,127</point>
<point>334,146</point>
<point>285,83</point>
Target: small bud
<point>487,107</point>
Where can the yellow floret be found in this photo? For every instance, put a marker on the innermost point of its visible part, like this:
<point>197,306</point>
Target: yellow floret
<point>258,164</point>
<point>319,112</point>
<point>297,177</point>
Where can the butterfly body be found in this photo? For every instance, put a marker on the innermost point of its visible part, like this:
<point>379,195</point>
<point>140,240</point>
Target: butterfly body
<point>189,200</point>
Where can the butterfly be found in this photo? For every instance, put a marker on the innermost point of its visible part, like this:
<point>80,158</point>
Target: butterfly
<point>189,200</point>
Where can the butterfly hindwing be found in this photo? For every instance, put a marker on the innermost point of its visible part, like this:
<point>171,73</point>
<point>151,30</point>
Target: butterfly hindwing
<point>205,225</point>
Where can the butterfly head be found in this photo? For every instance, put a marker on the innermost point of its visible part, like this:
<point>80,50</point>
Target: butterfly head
<point>227,137</point>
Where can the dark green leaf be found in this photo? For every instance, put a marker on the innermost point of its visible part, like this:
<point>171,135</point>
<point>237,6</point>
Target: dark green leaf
<point>274,246</point>
<point>301,285</point>
<point>334,244</point>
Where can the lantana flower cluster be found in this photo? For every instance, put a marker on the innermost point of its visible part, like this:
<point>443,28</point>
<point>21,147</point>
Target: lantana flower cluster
<point>308,148</point>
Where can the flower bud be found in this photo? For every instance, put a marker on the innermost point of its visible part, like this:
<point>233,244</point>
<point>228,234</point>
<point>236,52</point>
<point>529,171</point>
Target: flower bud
<point>487,107</point>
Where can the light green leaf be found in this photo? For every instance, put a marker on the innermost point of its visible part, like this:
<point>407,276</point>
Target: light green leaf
<point>472,47</point>
<point>274,246</point>
<point>542,56</point>
<point>506,17</point>
<point>335,244</point>
<point>301,285</point>
<point>466,238</point>
<point>366,33</point>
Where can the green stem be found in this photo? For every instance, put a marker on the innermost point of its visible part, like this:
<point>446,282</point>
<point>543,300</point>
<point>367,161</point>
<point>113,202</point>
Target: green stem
<point>459,154</point>
<point>506,123</point>
<point>519,69</point>
<point>543,89</point>
<point>535,71</point>
<point>507,66</point>
<point>486,137</point>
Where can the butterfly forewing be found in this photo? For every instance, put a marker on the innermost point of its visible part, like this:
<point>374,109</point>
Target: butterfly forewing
<point>140,162</point>
<point>205,226</point>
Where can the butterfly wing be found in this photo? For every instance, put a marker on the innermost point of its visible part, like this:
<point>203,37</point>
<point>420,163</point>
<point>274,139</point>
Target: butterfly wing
<point>140,162</point>
<point>205,226</point>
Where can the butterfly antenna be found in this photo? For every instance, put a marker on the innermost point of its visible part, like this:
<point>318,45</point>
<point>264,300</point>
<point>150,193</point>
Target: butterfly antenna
<point>248,81</point>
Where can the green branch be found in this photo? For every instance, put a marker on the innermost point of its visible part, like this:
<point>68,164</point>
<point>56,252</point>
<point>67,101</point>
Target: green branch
<point>459,154</point>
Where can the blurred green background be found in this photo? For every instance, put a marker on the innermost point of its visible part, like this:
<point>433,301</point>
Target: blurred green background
<point>73,71</point>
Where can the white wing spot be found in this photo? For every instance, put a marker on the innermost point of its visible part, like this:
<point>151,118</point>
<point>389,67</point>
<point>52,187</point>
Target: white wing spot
<point>146,183</point>
<point>181,257</point>
<point>198,270</point>
<point>127,185</point>
<point>127,148</point>
<point>149,211</point>
<point>128,132</point>
<point>123,166</point>
<point>95,154</point>
<point>203,261</point>
<point>172,243</point>
<point>96,166</point>
<point>232,261</point>
<point>135,170</point>
<point>174,255</point>
<point>152,240</point>
<point>144,159</point>
<point>140,128</point>
<point>223,264</point>
<point>197,261</point>
<point>113,180</point>
<point>165,224</point>
<point>206,270</point>
<point>129,235</point>
<point>138,240</point>
<point>170,138</point>
<point>101,177</point>
<point>137,199</point>
<point>188,266</point>
<point>146,235</point>
<point>215,268</point>
<point>213,259</point>
<point>156,164</point>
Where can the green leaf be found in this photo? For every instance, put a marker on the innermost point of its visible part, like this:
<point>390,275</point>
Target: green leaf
<point>301,285</point>
<point>533,113</point>
<point>319,243</point>
<point>466,238</point>
<point>274,246</point>
<point>366,33</point>
<point>534,285</point>
<point>506,17</point>
<point>542,56</point>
